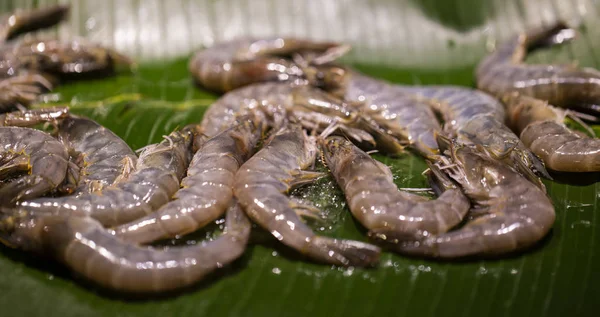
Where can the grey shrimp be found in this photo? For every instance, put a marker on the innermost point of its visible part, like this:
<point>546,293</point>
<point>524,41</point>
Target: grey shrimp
<point>261,185</point>
<point>564,86</point>
<point>206,190</point>
<point>509,213</point>
<point>70,59</point>
<point>42,158</point>
<point>100,157</point>
<point>82,244</point>
<point>241,62</point>
<point>542,129</point>
<point>279,103</point>
<point>477,118</point>
<point>21,21</point>
<point>28,118</point>
<point>159,170</point>
<point>376,202</point>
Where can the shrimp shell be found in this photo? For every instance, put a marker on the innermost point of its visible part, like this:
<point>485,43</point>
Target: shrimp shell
<point>86,247</point>
<point>36,153</point>
<point>542,129</point>
<point>159,170</point>
<point>103,158</point>
<point>206,190</point>
<point>377,203</point>
<point>564,86</point>
<point>260,187</point>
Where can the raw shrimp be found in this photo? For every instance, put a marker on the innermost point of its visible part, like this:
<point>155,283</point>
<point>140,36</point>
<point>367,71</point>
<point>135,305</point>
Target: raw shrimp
<point>377,203</point>
<point>561,85</point>
<point>64,59</point>
<point>159,170</point>
<point>101,157</point>
<point>34,153</point>
<point>477,118</point>
<point>30,118</point>
<point>86,247</point>
<point>241,62</point>
<point>406,118</point>
<point>21,90</point>
<point>510,213</point>
<point>21,21</point>
<point>261,185</point>
<point>278,103</point>
<point>206,190</point>
<point>542,129</point>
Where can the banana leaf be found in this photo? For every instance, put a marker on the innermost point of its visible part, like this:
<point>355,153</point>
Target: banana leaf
<point>404,41</point>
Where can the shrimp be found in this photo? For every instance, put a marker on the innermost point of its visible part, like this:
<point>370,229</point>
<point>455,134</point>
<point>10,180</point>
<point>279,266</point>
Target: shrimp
<point>21,90</point>
<point>260,187</point>
<point>377,203</point>
<point>30,118</point>
<point>509,213</point>
<point>406,118</point>
<point>276,104</point>
<point>206,190</point>
<point>69,59</point>
<point>159,170</point>
<point>20,22</point>
<point>474,117</point>
<point>241,62</point>
<point>541,128</point>
<point>35,153</point>
<point>82,244</point>
<point>101,157</point>
<point>564,86</point>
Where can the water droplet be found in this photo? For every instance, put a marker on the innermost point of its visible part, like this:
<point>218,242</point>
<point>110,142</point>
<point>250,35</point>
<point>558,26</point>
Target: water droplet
<point>349,271</point>
<point>50,277</point>
<point>514,271</point>
<point>276,270</point>
<point>482,271</point>
<point>274,253</point>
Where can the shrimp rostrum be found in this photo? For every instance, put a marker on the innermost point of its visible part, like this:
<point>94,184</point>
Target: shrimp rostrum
<point>261,185</point>
<point>542,129</point>
<point>376,202</point>
<point>509,213</point>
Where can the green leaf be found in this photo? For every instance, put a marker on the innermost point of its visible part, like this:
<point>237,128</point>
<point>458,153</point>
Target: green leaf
<point>410,42</point>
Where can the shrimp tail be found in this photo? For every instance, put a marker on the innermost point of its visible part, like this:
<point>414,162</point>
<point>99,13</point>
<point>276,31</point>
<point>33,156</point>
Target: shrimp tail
<point>347,252</point>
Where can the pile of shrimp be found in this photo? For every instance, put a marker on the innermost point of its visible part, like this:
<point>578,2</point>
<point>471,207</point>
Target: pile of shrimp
<point>80,195</point>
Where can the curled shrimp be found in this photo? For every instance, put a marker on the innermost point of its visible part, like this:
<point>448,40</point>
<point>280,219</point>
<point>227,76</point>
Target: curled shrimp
<point>42,158</point>
<point>21,21</point>
<point>509,213</point>
<point>241,62</point>
<point>101,158</point>
<point>377,203</point>
<point>564,86</point>
<point>261,185</point>
<point>476,118</point>
<point>542,129</point>
<point>159,170</point>
<point>82,244</point>
<point>206,190</point>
